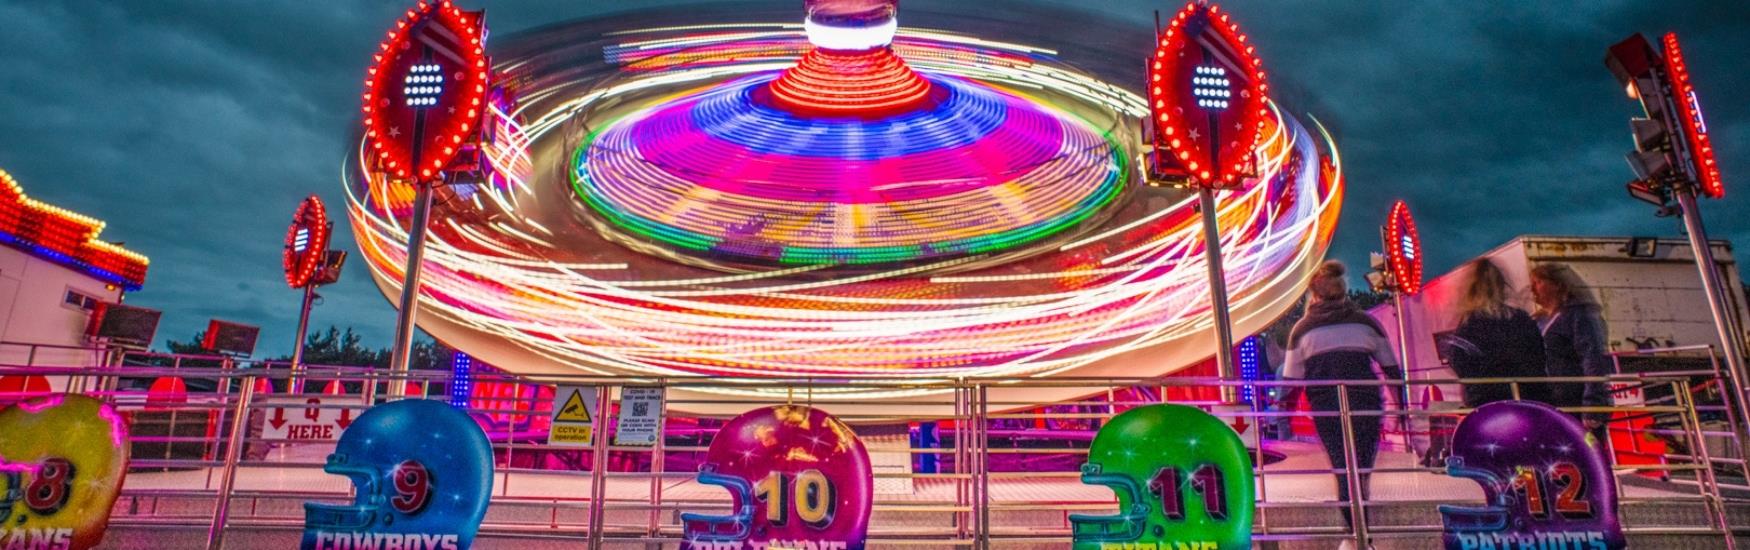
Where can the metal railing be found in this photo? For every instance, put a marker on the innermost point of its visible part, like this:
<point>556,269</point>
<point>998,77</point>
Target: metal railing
<point>1008,467</point>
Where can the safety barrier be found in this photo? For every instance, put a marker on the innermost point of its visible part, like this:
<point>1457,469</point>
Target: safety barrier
<point>211,453</point>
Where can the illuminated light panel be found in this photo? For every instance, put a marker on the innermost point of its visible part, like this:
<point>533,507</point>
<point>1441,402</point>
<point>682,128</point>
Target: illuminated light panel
<point>1701,146</point>
<point>424,85</point>
<point>835,37</point>
<point>1250,352</point>
<point>985,171</point>
<point>66,238</point>
<point>1130,285</point>
<point>461,379</point>
<point>1404,249</point>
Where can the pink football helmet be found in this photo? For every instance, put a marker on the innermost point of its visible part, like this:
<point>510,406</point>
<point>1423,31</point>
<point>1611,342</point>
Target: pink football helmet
<point>798,477</point>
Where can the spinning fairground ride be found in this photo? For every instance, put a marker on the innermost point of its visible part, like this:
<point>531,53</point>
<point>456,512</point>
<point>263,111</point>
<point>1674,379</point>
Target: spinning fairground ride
<point>727,193</point>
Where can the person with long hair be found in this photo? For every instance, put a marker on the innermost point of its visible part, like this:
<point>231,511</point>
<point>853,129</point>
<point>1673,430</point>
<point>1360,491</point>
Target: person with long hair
<point>1573,340</point>
<point>1495,339</point>
<point>1336,342</point>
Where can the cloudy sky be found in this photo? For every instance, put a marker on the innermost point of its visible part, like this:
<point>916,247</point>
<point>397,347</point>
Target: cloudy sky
<point>194,126</point>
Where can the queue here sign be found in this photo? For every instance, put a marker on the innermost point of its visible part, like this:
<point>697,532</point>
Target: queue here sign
<point>298,418</point>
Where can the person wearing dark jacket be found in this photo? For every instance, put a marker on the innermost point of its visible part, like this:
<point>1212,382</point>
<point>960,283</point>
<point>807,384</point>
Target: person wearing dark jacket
<point>1337,341</point>
<point>1573,340</point>
<point>1495,340</point>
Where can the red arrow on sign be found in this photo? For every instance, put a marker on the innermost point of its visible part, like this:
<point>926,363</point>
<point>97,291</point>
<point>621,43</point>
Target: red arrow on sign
<point>279,418</point>
<point>1240,425</point>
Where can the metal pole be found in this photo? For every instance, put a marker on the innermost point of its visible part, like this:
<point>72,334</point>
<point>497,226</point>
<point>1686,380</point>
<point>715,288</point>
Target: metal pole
<point>1352,469</point>
<point>295,385</point>
<point>233,453</point>
<point>598,490</point>
<point>1403,420</point>
<point>1710,486</point>
<point>983,450</point>
<point>1224,338</point>
<point>404,327</point>
<point>657,457</point>
<point>1716,302</point>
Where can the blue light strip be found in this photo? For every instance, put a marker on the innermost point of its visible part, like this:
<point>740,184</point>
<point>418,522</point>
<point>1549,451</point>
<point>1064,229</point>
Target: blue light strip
<point>69,261</point>
<point>461,380</point>
<point>1249,352</point>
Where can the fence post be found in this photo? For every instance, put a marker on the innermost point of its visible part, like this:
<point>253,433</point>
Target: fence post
<point>1352,467</point>
<point>1698,442</point>
<point>598,490</point>
<point>983,452</point>
<point>233,453</point>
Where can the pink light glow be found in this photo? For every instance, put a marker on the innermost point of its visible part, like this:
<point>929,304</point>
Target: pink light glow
<point>43,404</point>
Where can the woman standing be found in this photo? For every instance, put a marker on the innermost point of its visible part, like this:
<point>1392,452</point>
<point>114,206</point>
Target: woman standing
<point>1336,341</point>
<point>1573,340</point>
<point>1495,340</point>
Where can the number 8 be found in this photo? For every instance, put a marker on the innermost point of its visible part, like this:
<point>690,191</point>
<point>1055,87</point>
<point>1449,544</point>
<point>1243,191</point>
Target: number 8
<point>51,487</point>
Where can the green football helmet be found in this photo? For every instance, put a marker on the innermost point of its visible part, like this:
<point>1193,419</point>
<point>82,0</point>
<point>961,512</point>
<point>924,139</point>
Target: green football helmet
<point>1183,480</point>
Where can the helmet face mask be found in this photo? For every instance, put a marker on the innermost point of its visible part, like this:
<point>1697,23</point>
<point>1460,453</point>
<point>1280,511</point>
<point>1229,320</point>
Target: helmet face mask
<point>1542,478</point>
<point>1182,478</point>
<point>1126,526</point>
<point>796,476</point>
<point>737,525</point>
<point>422,475</point>
<point>62,462</point>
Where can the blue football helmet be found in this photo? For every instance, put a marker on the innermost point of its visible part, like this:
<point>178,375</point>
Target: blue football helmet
<point>423,473</point>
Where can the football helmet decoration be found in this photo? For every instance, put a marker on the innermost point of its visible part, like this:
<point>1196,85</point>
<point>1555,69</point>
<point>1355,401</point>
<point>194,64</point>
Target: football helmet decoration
<point>1183,480</point>
<point>423,472</point>
<point>1544,483</point>
<point>798,478</point>
<point>62,462</point>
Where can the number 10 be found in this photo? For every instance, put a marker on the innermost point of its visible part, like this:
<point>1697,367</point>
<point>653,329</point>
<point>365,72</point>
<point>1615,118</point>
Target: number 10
<point>813,496</point>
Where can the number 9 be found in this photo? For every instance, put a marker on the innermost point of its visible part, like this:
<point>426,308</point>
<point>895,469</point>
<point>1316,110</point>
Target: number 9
<point>412,487</point>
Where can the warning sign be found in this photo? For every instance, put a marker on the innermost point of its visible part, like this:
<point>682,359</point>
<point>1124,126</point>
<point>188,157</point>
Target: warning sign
<point>573,411</point>
<point>573,416</point>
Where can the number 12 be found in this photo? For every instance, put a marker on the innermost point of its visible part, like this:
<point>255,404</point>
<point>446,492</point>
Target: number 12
<point>1570,502</point>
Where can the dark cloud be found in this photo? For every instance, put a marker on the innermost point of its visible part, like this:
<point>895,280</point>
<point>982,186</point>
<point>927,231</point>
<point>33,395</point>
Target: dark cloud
<point>194,126</point>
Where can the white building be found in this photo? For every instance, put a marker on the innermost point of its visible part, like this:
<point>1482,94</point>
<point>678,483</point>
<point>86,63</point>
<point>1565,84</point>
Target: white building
<point>53,273</point>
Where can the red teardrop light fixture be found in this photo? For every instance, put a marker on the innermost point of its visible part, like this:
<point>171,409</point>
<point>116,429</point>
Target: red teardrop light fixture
<point>425,93</point>
<point>306,242</point>
<point>1208,99</point>
<point>1404,249</point>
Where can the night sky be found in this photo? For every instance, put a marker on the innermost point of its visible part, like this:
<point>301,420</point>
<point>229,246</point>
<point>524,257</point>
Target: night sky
<point>193,127</point>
